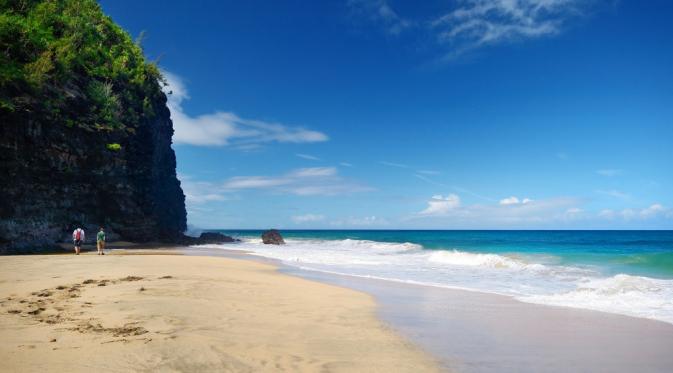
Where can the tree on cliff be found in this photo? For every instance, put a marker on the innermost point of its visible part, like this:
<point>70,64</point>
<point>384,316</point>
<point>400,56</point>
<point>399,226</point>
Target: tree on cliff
<point>66,54</point>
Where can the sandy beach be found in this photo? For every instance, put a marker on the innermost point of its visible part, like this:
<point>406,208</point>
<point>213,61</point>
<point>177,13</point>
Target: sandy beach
<point>121,313</point>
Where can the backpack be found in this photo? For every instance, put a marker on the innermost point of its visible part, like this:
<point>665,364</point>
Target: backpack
<point>78,234</point>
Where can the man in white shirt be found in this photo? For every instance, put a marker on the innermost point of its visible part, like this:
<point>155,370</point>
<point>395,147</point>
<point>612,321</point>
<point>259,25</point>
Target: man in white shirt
<point>78,237</point>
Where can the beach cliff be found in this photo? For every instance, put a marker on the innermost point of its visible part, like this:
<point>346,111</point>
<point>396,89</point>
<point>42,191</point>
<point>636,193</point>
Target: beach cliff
<point>85,133</point>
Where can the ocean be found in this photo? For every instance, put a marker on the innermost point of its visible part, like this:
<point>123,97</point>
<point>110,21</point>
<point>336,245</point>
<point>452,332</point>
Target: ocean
<point>623,272</point>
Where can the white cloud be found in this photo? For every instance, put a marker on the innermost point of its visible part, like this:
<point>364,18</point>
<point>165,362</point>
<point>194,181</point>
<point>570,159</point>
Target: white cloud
<point>367,221</point>
<point>346,164</point>
<point>514,201</point>
<point>308,156</point>
<point>448,210</point>
<point>653,210</point>
<point>226,128</point>
<point>314,172</point>
<point>307,218</point>
<point>203,198</point>
<point>199,192</point>
<point>573,214</point>
<point>310,181</point>
<point>609,172</point>
<point>509,201</point>
<point>439,205</point>
<point>255,182</point>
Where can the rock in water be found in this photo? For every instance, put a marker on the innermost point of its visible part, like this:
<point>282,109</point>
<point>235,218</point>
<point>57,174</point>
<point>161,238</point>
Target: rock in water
<point>272,237</point>
<point>214,237</point>
<point>206,238</point>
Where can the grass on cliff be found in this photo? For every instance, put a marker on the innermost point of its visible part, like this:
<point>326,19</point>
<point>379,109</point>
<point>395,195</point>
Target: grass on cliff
<point>67,63</point>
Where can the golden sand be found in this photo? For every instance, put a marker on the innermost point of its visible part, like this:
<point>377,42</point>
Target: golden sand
<point>121,313</point>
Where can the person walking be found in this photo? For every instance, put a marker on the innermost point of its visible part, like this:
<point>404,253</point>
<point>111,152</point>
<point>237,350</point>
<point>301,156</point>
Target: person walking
<point>77,238</point>
<point>100,241</point>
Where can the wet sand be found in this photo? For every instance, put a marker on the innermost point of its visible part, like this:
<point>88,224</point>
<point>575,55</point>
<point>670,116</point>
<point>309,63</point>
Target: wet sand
<point>121,313</point>
<point>479,332</point>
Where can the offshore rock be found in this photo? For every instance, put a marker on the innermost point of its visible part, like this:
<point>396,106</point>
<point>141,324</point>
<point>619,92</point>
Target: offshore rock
<point>272,237</point>
<point>206,238</point>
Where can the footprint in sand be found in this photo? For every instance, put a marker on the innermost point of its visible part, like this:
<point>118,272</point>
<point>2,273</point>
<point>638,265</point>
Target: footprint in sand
<point>131,278</point>
<point>38,304</point>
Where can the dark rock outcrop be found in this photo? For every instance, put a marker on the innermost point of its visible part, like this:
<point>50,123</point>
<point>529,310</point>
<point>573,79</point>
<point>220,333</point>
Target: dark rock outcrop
<point>206,238</point>
<point>56,177</point>
<point>272,237</point>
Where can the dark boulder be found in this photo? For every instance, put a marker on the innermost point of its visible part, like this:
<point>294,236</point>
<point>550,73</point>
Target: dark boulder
<point>207,238</point>
<point>213,237</point>
<point>272,237</point>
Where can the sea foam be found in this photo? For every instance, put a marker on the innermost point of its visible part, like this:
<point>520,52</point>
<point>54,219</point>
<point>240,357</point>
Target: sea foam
<point>533,279</point>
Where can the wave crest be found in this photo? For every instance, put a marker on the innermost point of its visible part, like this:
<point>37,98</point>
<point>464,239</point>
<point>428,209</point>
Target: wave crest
<point>623,294</point>
<point>463,258</point>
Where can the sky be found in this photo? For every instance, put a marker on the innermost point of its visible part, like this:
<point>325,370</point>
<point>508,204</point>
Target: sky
<point>382,114</point>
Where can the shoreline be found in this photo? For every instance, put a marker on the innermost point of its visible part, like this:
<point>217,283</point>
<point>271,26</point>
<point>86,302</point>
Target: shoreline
<point>135,312</point>
<point>473,331</point>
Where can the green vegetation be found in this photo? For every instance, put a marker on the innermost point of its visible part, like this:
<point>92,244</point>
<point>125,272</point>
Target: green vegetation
<point>114,147</point>
<point>69,64</point>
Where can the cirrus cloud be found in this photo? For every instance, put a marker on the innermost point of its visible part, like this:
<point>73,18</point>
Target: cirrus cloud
<point>310,181</point>
<point>467,25</point>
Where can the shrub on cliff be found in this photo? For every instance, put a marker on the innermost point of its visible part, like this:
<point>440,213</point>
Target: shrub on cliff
<point>114,147</point>
<point>66,63</point>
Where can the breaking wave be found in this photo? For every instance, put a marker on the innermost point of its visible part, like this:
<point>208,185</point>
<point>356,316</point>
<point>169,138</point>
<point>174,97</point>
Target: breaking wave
<point>535,279</point>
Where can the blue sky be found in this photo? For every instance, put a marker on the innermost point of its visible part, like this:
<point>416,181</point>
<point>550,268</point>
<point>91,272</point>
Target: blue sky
<point>553,114</point>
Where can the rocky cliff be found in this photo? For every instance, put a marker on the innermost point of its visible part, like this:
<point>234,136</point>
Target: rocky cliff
<point>85,134</point>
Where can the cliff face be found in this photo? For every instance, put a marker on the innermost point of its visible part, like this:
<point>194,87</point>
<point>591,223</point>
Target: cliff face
<point>88,139</point>
<point>54,178</point>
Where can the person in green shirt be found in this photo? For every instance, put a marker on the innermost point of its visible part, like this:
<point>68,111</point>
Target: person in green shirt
<point>100,241</point>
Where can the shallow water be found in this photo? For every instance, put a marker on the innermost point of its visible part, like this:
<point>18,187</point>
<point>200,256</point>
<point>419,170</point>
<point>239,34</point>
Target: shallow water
<point>622,272</point>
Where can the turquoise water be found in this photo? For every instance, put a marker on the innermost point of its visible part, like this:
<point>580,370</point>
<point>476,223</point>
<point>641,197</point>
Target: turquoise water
<point>645,253</point>
<point>625,272</point>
